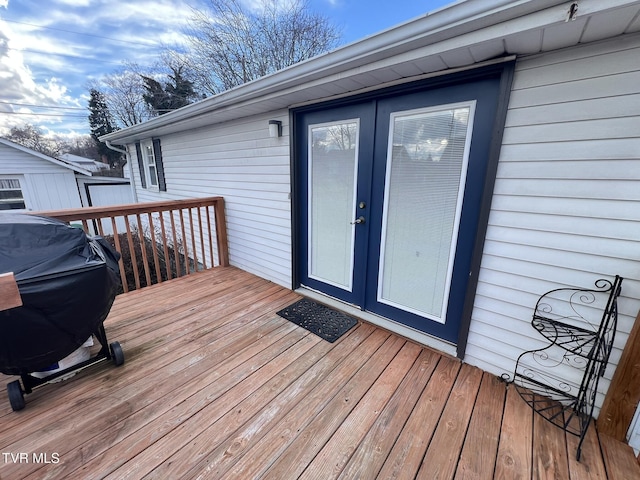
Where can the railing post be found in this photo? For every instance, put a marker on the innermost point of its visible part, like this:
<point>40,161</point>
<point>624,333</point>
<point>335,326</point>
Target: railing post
<point>221,232</point>
<point>623,395</point>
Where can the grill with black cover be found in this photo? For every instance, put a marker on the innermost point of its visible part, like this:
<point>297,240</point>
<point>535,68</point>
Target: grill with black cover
<point>67,282</point>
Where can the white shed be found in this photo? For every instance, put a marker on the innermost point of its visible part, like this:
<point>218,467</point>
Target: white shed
<point>30,180</point>
<point>528,178</point>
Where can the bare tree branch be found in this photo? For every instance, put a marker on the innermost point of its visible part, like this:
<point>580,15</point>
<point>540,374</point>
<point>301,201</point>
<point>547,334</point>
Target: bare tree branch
<point>123,91</point>
<point>231,44</point>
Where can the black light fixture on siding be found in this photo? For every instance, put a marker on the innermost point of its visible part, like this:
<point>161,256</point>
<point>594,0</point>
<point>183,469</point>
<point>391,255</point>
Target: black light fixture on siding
<point>275,128</point>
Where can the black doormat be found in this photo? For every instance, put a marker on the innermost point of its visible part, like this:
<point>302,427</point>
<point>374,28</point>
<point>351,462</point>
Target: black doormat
<point>325,322</point>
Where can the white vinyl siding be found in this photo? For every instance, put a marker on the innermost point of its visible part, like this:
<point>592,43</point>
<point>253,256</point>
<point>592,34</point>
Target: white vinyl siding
<point>566,205</point>
<point>45,185</point>
<point>240,162</point>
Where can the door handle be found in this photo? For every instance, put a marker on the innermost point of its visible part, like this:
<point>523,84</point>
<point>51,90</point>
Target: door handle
<point>360,219</point>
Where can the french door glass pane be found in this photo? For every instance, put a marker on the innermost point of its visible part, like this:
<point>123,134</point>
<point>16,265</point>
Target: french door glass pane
<point>426,166</point>
<point>333,151</point>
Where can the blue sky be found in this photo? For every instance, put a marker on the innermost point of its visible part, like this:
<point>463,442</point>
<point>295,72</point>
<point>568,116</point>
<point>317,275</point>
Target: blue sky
<point>50,51</point>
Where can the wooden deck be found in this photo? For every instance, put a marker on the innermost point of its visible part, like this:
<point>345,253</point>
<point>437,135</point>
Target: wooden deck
<point>216,385</point>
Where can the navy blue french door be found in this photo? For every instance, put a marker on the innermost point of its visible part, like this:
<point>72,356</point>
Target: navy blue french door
<point>389,191</point>
<point>336,151</point>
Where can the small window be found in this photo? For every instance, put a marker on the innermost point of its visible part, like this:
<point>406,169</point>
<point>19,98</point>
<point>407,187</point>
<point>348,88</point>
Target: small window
<point>150,163</point>
<point>11,197</point>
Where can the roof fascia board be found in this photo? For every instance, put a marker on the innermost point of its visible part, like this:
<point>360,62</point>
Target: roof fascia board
<point>42,156</point>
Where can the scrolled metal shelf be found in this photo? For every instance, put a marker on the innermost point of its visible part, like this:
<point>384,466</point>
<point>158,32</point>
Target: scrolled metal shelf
<point>576,341</point>
<point>559,316</point>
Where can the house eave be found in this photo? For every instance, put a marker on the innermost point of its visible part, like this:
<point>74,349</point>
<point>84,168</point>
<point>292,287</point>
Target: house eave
<point>427,39</point>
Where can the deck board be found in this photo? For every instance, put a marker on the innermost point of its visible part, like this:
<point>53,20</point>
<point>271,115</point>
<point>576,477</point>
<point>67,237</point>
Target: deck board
<point>589,467</point>
<point>549,447</point>
<point>516,440</point>
<point>216,385</point>
<point>330,461</point>
<point>293,462</point>
<point>618,459</point>
<point>372,452</point>
<point>478,457</point>
<point>257,458</point>
<point>406,455</point>
<point>452,427</point>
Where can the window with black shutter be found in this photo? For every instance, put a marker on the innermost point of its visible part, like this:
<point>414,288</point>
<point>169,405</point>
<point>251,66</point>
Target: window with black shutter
<point>150,163</point>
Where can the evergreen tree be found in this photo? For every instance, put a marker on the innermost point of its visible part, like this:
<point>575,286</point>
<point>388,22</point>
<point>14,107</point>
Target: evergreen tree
<point>181,91</point>
<point>176,93</point>
<point>155,97</point>
<point>101,123</point>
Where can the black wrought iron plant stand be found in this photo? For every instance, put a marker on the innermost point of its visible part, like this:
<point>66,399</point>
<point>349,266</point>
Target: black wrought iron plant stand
<point>560,380</point>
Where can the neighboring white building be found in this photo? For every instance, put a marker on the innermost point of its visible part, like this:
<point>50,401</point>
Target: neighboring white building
<point>83,162</point>
<point>526,113</point>
<point>32,181</point>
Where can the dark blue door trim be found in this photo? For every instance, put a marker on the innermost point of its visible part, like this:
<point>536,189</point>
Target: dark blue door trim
<point>490,86</point>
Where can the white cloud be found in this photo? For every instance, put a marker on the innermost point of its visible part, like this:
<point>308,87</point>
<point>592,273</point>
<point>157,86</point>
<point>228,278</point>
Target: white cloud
<point>52,66</point>
<point>20,87</point>
<point>73,3</point>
